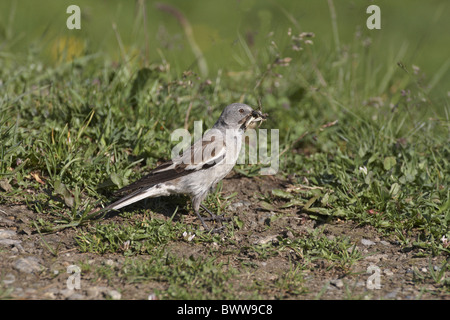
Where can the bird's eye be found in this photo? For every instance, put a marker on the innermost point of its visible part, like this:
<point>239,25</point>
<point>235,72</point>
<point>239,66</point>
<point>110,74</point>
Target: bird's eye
<point>241,110</point>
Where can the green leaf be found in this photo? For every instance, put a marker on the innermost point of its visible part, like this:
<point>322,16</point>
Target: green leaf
<point>292,203</point>
<point>116,179</point>
<point>395,188</point>
<point>267,206</point>
<point>61,189</point>
<point>282,194</point>
<point>239,222</point>
<point>322,211</point>
<point>389,162</point>
<point>310,202</point>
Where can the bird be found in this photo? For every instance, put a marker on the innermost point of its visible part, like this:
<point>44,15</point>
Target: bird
<point>199,168</point>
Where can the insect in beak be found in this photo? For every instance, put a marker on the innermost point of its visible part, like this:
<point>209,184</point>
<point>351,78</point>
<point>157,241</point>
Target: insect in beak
<point>256,116</point>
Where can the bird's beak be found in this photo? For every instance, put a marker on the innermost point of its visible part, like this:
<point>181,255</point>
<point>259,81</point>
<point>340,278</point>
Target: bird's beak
<point>258,116</point>
<point>255,116</point>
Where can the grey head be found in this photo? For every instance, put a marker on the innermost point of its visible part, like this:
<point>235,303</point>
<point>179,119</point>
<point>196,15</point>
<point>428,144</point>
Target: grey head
<point>238,116</point>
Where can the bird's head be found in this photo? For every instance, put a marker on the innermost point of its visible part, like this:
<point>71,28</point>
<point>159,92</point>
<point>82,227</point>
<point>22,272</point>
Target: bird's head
<point>240,116</point>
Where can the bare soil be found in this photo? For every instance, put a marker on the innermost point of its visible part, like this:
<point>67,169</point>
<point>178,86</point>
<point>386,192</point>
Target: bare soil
<point>29,270</point>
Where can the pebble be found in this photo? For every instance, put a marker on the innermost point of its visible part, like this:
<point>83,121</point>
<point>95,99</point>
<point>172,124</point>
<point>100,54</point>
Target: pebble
<point>361,284</point>
<point>376,257</point>
<point>367,242</point>
<point>10,242</point>
<point>7,234</point>
<point>5,240</point>
<point>49,295</point>
<point>66,293</point>
<point>114,294</point>
<point>97,291</point>
<point>235,206</point>
<point>6,221</point>
<point>271,238</point>
<point>18,292</point>
<point>92,292</point>
<point>289,235</point>
<point>264,219</point>
<point>392,294</point>
<point>8,279</point>
<point>75,296</point>
<point>338,283</point>
<point>239,205</point>
<point>110,263</point>
<point>388,272</point>
<point>28,265</point>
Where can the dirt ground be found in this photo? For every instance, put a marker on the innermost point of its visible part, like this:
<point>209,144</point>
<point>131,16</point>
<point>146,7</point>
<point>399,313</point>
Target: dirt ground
<point>28,269</point>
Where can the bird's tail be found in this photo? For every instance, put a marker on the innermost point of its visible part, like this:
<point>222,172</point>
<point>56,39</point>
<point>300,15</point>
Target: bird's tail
<point>132,198</point>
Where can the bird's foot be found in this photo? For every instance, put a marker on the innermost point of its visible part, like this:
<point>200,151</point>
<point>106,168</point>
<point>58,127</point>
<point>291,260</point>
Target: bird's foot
<point>213,217</point>
<point>208,229</point>
<point>218,218</point>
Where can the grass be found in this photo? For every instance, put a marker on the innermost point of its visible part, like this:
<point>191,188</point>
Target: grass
<point>364,138</point>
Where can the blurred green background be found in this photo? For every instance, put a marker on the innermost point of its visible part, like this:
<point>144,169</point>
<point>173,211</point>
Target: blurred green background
<point>362,114</point>
<point>229,34</point>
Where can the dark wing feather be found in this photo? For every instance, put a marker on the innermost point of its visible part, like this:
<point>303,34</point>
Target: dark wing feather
<point>157,175</point>
<point>162,173</point>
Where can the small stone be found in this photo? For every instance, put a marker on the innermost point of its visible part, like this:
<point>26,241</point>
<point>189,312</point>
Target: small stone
<point>235,206</point>
<point>7,234</point>
<point>392,294</point>
<point>376,257</point>
<point>49,295</point>
<point>66,293</point>
<point>290,235</point>
<point>338,283</point>
<point>76,296</point>
<point>92,292</point>
<point>388,272</point>
<point>353,249</point>
<point>361,284</point>
<point>265,219</point>
<point>28,265</point>
<point>424,269</point>
<point>239,205</point>
<point>367,242</point>
<point>6,221</point>
<point>18,292</point>
<point>384,243</point>
<point>114,294</point>
<point>9,279</point>
<point>10,242</point>
<point>17,249</point>
<point>271,238</point>
<point>110,263</point>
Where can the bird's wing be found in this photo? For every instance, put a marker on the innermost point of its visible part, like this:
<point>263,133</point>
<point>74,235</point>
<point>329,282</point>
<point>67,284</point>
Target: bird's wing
<point>164,172</point>
<point>202,155</point>
<point>205,152</point>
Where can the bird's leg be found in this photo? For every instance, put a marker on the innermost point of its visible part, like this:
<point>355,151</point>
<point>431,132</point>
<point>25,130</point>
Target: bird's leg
<point>214,217</point>
<point>214,230</point>
<point>202,220</point>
